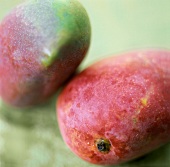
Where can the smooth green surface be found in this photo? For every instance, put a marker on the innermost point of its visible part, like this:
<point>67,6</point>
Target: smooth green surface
<point>31,138</point>
<point>73,26</point>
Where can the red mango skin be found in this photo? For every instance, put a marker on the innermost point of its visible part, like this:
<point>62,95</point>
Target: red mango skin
<point>123,99</point>
<point>41,45</point>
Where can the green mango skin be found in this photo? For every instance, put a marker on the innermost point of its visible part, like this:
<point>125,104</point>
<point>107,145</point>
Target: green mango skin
<point>118,109</point>
<point>42,42</point>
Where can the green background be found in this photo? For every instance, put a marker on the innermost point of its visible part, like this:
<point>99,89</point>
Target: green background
<point>30,137</point>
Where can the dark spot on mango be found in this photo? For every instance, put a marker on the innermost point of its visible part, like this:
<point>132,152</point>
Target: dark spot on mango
<point>103,145</point>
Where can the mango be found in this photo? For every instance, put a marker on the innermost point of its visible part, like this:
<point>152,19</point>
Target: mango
<point>118,109</point>
<point>42,42</point>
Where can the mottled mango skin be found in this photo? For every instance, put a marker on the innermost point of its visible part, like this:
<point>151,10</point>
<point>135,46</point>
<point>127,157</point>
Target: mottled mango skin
<point>42,42</point>
<point>123,99</point>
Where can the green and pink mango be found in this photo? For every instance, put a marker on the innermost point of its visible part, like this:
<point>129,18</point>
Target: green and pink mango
<point>42,42</point>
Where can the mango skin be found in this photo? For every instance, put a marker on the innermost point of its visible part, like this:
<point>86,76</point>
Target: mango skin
<point>42,42</point>
<point>124,100</point>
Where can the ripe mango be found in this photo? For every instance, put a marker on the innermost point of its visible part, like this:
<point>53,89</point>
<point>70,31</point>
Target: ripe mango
<point>118,109</point>
<point>42,42</point>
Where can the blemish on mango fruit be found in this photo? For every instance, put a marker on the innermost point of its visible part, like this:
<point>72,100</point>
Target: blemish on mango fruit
<point>135,120</point>
<point>103,145</point>
<point>144,101</point>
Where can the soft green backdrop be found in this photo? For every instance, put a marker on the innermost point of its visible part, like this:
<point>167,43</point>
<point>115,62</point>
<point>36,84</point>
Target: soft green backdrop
<point>31,138</point>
